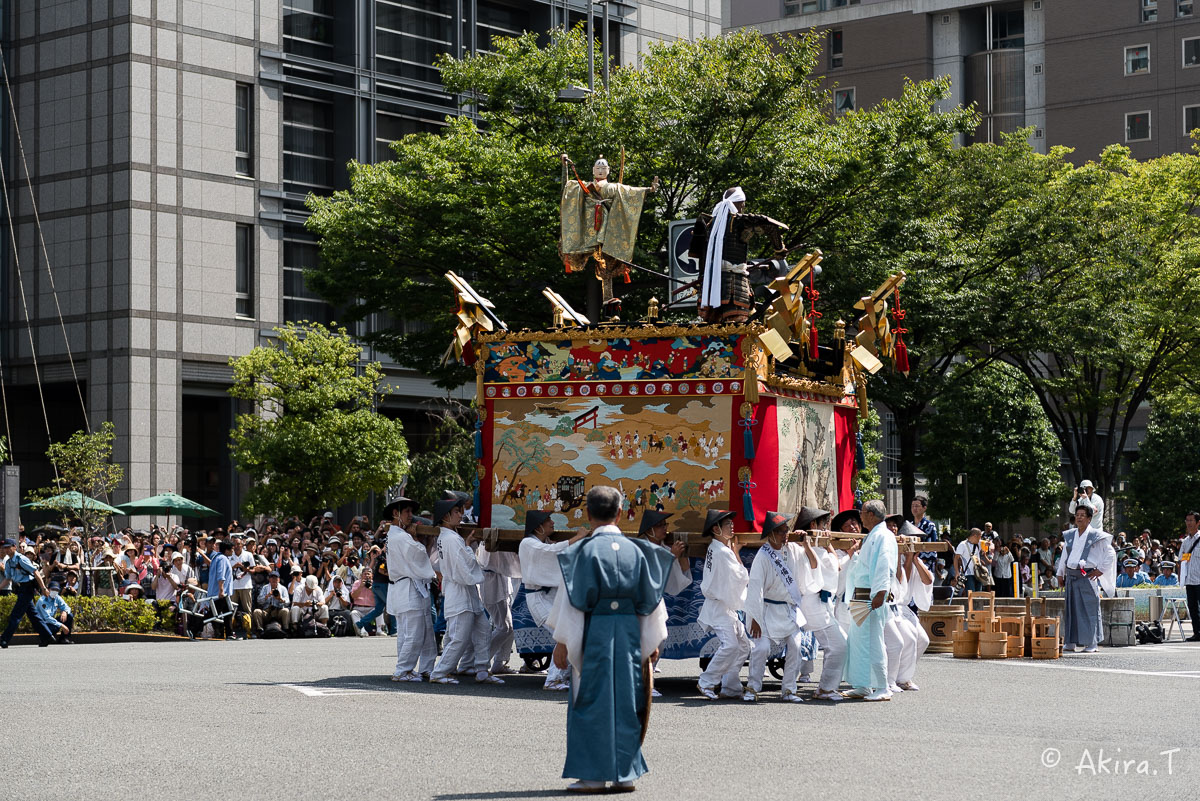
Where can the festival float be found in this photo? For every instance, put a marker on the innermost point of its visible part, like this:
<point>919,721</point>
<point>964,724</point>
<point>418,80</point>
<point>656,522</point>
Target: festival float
<point>750,407</point>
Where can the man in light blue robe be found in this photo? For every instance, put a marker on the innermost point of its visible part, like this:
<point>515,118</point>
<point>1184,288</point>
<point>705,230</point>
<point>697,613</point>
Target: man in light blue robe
<point>870,580</point>
<point>610,616</point>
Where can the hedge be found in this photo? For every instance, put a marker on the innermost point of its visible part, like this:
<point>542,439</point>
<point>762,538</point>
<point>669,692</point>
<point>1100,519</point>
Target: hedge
<point>107,614</point>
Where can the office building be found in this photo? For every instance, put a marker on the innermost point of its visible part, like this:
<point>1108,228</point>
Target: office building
<point>169,147</point>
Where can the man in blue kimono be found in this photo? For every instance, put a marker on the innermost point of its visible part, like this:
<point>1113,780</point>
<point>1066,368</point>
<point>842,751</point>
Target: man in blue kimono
<point>611,618</point>
<point>870,580</point>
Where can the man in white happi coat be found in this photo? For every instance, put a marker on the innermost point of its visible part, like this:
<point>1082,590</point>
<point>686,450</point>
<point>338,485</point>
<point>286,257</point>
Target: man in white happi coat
<point>819,607</point>
<point>410,573</point>
<point>466,621</point>
<point>724,588</point>
<point>914,587</point>
<point>781,573</point>
<point>542,577</point>
<point>899,638</point>
<point>501,572</point>
<point>870,581</point>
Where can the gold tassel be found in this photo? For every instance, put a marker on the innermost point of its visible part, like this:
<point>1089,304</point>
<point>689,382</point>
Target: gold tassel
<point>481,356</point>
<point>750,357</point>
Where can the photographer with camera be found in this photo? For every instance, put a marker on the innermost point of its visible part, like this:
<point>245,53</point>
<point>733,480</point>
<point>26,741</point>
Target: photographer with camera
<point>308,599</point>
<point>1086,493</point>
<point>273,603</point>
<point>380,581</point>
<point>362,600</point>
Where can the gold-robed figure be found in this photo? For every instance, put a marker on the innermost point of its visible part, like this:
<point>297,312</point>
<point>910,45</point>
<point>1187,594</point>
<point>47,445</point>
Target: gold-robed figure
<point>599,221</point>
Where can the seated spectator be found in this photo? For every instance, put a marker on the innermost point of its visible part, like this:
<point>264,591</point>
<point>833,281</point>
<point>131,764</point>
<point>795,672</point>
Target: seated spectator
<point>362,600</point>
<point>1167,578</point>
<point>54,614</point>
<point>1131,576</point>
<point>273,603</point>
<point>131,591</point>
<point>70,586</point>
<point>309,598</point>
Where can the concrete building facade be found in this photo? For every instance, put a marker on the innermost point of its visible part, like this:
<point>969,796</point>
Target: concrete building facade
<point>1081,73</point>
<point>157,157</point>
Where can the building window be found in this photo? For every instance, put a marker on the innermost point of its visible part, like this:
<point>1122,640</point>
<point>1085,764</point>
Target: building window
<point>410,37</point>
<point>1137,59</point>
<point>843,100</point>
<point>840,3</point>
<point>300,253</point>
<point>307,143</point>
<point>1191,52</point>
<point>1184,8</point>
<point>244,288</point>
<point>245,129</point>
<point>1149,10</point>
<point>835,49</point>
<point>395,122</point>
<point>308,28</point>
<point>1009,30</point>
<point>793,7</point>
<point>1191,119</point>
<point>497,20</point>
<point>1137,126</point>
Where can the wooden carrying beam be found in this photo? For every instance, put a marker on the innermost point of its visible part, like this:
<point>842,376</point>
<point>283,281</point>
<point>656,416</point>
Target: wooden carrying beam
<point>697,544</point>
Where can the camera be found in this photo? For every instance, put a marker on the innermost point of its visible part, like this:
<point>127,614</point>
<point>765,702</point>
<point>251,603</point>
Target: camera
<point>368,583</point>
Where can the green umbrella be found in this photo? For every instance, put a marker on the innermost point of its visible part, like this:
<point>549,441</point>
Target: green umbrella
<point>73,500</point>
<point>168,503</point>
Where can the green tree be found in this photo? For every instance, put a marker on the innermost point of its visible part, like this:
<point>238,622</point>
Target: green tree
<point>991,427</point>
<point>313,438</point>
<point>1166,474</point>
<point>83,469</point>
<point>868,481</point>
<point>448,461</point>
<point>1116,315</point>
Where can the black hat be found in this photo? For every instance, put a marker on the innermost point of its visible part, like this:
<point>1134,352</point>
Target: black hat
<point>7,543</point>
<point>898,520</point>
<point>54,585</point>
<point>772,521</point>
<point>650,519</point>
<point>907,529</point>
<point>449,495</point>
<point>399,503</point>
<point>715,517</point>
<point>842,517</point>
<point>442,508</point>
<point>807,515</point>
<point>273,574</point>
<point>534,520</point>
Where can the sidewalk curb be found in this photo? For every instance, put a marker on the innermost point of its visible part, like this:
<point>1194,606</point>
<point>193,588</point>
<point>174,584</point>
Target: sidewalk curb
<point>81,637</point>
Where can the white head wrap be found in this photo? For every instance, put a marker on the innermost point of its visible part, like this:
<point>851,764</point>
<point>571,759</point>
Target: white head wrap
<point>710,293</point>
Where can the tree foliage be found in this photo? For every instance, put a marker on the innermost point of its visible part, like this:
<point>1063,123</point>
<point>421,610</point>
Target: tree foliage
<point>1166,475</point>
<point>83,465</point>
<point>313,438</point>
<point>991,427</point>
<point>448,461</point>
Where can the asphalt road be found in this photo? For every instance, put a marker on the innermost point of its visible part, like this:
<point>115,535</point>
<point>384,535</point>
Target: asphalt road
<point>294,720</point>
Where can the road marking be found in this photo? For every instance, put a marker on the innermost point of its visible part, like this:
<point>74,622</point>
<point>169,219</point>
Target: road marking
<point>1173,674</point>
<point>315,692</point>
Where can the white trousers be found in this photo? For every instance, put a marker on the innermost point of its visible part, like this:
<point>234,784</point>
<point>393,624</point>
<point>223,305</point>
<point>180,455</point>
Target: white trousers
<point>761,650</point>
<point>901,644</point>
<point>466,629</point>
<point>501,643</point>
<point>909,657</point>
<point>725,668</point>
<point>415,642</point>
<point>833,647</point>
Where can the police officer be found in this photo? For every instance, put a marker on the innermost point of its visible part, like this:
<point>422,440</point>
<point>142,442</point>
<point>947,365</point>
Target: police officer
<point>26,580</point>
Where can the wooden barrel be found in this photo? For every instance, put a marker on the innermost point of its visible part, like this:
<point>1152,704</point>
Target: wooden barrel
<point>939,623</point>
<point>993,645</point>
<point>981,619</point>
<point>1016,646</point>
<point>1045,648</point>
<point>966,644</point>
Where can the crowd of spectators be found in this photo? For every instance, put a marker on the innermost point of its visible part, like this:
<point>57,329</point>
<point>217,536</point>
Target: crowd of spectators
<point>289,576</point>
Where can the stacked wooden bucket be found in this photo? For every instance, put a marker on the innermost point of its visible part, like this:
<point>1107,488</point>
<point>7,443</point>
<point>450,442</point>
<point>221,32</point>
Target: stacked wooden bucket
<point>984,633</point>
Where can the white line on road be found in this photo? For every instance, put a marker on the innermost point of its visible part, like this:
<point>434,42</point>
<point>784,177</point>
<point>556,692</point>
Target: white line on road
<point>1174,674</point>
<point>313,692</point>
